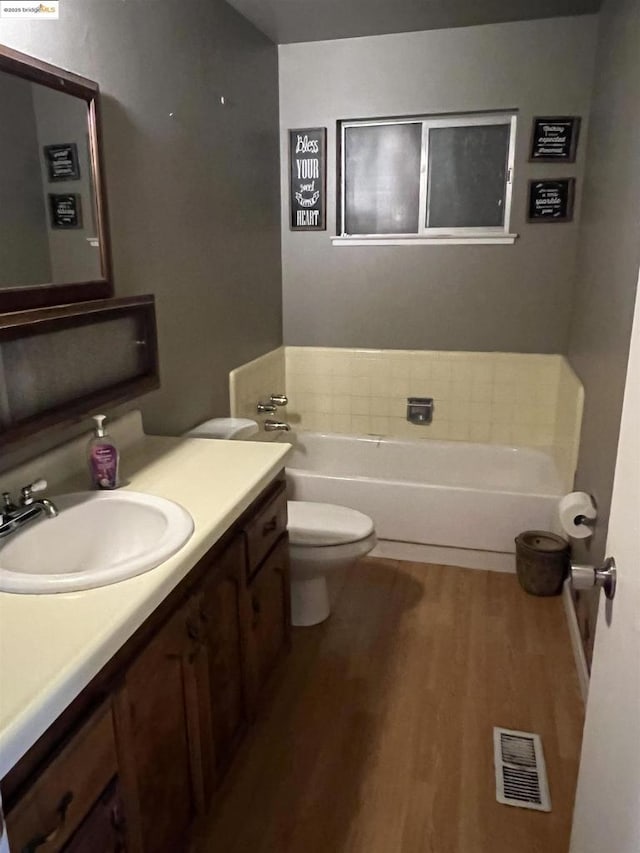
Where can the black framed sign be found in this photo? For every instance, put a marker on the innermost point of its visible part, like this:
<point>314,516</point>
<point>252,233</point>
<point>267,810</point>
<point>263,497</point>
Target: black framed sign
<point>555,138</point>
<point>65,210</point>
<point>308,179</point>
<point>62,162</point>
<point>551,201</point>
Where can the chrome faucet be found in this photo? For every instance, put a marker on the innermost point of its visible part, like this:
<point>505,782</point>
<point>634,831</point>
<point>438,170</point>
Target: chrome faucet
<point>275,426</point>
<point>269,408</point>
<point>279,399</point>
<point>13,517</point>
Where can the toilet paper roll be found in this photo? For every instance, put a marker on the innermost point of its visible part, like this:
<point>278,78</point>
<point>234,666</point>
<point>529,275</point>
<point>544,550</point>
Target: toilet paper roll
<point>571,508</point>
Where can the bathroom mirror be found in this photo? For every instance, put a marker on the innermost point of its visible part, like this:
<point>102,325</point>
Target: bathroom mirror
<point>54,238</point>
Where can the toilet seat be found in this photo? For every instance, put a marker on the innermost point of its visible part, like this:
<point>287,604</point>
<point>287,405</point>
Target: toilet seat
<point>318,524</point>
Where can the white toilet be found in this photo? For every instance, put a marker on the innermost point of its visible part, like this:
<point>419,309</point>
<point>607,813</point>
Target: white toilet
<point>322,537</point>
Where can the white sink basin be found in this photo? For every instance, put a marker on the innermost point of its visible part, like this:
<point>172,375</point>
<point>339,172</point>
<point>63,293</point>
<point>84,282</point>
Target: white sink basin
<point>98,538</point>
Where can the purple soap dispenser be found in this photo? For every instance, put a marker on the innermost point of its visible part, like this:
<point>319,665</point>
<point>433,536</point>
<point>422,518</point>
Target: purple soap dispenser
<point>103,457</point>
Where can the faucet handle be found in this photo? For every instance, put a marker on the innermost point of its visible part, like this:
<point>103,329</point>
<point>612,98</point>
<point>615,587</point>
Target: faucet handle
<point>279,399</point>
<point>27,491</point>
<point>7,503</point>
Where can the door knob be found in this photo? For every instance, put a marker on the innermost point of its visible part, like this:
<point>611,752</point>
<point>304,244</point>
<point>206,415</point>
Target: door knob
<point>586,577</point>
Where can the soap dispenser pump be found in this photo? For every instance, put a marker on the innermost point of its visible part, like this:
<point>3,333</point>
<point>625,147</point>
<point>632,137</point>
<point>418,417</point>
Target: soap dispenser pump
<point>103,457</point>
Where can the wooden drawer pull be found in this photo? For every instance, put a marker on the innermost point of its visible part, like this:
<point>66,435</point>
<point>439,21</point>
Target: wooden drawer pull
<point>39,840</point>
<point>270,526</point>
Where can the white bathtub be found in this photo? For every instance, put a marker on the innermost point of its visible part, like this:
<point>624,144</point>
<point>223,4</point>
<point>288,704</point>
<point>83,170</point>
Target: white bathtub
<point>437,493</point>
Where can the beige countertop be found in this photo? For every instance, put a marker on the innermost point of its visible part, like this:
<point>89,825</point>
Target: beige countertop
<point>51,646</point>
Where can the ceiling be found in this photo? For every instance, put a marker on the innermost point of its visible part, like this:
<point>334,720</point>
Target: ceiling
<point>287,21</point>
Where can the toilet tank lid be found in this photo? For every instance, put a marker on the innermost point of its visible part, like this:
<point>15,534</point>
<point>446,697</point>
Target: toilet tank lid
<point>312,523</point>
<point>230,428</point>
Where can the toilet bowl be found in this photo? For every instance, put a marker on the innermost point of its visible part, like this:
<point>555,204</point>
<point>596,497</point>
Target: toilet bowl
<point>322,537</point>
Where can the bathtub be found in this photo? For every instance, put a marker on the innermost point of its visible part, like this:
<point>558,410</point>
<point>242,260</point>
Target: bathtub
<point>449,494</point>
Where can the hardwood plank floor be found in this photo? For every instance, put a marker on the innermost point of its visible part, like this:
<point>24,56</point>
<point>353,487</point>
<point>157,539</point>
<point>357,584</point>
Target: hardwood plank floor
<point>377,735</point>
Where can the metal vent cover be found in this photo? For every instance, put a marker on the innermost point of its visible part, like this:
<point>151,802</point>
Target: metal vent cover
<point>521,773</point>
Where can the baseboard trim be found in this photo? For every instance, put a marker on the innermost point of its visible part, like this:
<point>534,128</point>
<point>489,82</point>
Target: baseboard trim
<point>576,640</point>
<point>493,561</point>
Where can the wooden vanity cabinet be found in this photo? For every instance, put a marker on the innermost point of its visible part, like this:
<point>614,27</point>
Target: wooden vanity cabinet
<point>154,717</point>
<point>270,626</point>
<point>220,667</point>
<point>179,698</point>
<point>267,562</point>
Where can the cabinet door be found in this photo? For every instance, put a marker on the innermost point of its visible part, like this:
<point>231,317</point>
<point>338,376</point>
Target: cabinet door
<point>269,596</point>
<point>153,723</point>
<point>102,831</point>
<point>223,612</point>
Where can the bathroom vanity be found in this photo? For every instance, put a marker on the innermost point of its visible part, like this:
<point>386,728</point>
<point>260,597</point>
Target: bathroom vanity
<point>121,714</point>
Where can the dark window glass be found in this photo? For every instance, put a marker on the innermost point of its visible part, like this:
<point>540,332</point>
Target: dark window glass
<point>382,179</point>
<point>467,175</point>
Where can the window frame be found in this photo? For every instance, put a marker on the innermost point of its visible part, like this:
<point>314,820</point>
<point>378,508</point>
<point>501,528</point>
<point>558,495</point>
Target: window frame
<point>425,234</point>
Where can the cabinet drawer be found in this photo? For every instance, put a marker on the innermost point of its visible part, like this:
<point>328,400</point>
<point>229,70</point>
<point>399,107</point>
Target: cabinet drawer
<point>63,795</point>
<point>265,528</point>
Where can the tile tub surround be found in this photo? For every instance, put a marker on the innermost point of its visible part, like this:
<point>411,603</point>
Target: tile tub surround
<point>497,398</point>
<point>484,397</point>
<point>256,381</point>
<point>569,408</point>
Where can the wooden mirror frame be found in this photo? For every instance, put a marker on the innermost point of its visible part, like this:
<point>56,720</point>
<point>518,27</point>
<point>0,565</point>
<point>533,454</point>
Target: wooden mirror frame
<point>43,295</point>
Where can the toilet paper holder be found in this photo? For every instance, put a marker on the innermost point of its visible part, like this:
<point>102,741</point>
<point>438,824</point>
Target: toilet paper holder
<point>577,514</point>
<point>584,520</point>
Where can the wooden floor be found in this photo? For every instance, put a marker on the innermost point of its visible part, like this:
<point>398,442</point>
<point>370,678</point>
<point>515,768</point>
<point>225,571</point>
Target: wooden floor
<point>378,734</point>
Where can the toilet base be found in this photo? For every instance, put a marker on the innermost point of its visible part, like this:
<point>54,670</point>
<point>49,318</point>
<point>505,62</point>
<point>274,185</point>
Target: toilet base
<point>309,601</point>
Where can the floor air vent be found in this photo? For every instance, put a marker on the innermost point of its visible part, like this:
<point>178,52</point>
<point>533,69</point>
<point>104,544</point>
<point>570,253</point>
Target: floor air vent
<point>521,775</point>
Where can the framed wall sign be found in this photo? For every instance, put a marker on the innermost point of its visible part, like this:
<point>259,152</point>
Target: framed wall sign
<point>308,179</point>
<point>62,162</point>
<point>551,201</point>
<point>555,138</point>
<point>65,210</point>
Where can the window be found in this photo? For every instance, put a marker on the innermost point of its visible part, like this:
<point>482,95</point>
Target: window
<point>430,178</point>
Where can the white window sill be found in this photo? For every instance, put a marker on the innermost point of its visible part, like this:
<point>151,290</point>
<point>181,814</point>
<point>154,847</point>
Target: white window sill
<point>440,240</point>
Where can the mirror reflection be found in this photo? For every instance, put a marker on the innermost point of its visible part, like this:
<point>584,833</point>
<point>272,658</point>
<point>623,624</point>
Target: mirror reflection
<point>48,230</point>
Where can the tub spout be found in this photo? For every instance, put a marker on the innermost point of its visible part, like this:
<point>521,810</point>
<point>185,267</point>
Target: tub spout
<point>276,426</point>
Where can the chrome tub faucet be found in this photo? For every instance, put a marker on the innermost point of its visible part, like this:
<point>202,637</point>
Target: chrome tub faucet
<point>276,426</point>
<point>269,408</point>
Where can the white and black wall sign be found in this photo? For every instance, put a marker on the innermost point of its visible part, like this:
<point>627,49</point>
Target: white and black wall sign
<point>551,200</point>
<point>308,179</point>
<point>555,139</point>
<point>62,162</point>
<point>65,210</point>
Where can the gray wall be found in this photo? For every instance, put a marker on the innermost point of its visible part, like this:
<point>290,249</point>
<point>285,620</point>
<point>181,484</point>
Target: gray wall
<point>24,244</point>
<point>194,198</point>
<point>515,298</point>
<point>608,260</point>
